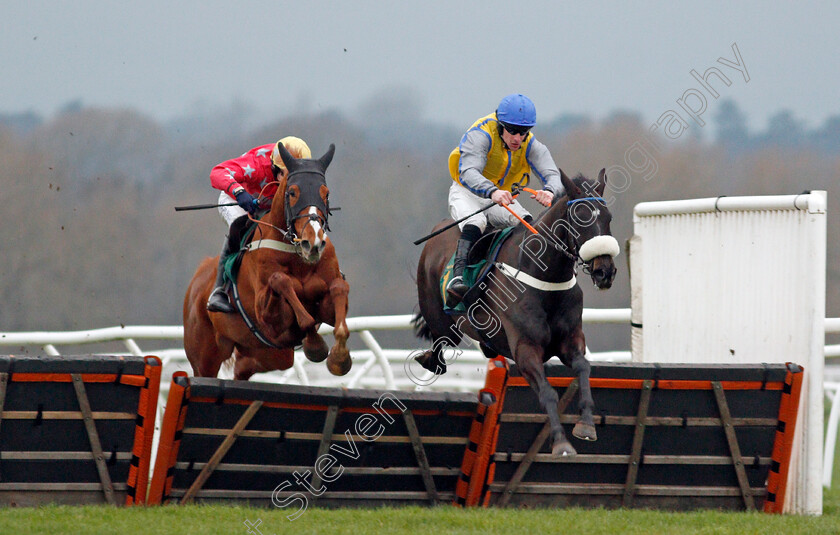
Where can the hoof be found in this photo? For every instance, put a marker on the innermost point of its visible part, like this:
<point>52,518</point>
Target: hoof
<point>585,431</point>
<point>317,351</point>
<point>339,362</point>
<point>563,448</point>
<point>428,361</point>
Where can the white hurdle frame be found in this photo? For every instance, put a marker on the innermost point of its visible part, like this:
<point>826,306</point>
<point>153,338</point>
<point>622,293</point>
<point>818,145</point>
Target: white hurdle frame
<point>708,312</point>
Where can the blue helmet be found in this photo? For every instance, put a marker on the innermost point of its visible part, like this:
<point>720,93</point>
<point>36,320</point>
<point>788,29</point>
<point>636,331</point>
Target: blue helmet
<point>517,109</point>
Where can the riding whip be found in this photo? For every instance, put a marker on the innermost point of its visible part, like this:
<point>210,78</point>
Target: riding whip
<point>203,206</point>
<point>206,206</point>
<point>449,226</point>
<point>514,190</point>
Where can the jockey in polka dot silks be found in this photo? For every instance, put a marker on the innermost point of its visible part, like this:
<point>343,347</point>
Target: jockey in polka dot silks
<point>242,180</point>
<point>497,152</point>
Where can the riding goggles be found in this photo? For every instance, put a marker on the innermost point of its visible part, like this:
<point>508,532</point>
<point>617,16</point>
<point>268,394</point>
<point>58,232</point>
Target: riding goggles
<point>516,129</point>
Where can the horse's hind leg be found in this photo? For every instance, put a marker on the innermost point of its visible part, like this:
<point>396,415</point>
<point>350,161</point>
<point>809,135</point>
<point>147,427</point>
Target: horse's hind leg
<point>245,367</point>
<point>209,356</point>
<point>529,359</point>
<point>205,354</point>
<point>575,358</point>
<point>433,359</point>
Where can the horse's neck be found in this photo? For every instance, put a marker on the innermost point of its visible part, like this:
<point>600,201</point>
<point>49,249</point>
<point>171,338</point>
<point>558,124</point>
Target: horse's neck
<point>276,217</point>
<point>554,265</point>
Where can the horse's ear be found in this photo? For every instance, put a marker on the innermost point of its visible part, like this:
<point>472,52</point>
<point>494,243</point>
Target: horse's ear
<point>328,156</point>
<point>288,159</point>
<point>602,182</point>
<point>571,190</point>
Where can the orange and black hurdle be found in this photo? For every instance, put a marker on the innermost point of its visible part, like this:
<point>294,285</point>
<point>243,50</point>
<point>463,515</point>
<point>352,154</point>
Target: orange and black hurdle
<point>76,429</point>
<point>669,437</point>
<point>295,446</point>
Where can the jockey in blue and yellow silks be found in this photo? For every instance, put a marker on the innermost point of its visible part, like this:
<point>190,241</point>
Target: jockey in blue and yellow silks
<point>502,167</point>
<point>497,151</point>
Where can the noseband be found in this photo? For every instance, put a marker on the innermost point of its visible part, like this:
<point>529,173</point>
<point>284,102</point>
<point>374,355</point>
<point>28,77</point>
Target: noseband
<point>310,195</point>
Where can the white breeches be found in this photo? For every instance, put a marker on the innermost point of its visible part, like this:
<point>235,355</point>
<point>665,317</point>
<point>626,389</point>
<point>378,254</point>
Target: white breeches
<point>229,213</point>
<point>463,202</point>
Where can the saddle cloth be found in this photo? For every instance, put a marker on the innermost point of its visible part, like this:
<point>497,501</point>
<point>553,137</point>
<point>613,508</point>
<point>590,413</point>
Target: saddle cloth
<point>233,260</point>
<point>481,257</point>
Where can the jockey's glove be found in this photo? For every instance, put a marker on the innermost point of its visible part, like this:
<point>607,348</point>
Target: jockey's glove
<point>247,202</point>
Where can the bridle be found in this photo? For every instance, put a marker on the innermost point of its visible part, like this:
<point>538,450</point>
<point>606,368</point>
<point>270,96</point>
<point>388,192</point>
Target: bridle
<point>573,252</point>
<point>310,195</point>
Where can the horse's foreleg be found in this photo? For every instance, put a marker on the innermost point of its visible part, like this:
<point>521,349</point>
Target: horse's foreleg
<point>529,359</point>
<point>339,362</point>
<point>314,347</point>
<point>575,350</point>
<point>285,286</point>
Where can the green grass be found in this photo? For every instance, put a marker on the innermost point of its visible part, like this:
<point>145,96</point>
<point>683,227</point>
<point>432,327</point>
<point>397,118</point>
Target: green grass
<point>216,519</point>
<point>230,520</point>
<point>227,520</point>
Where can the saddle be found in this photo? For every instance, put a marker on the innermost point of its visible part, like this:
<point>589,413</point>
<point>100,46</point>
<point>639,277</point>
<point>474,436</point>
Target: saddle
<point>480,259</point>
<point>232,263</point>
<point>234,259</point>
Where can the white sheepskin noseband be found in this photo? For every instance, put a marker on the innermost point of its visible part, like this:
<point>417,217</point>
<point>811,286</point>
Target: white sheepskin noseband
<point>597,246</point>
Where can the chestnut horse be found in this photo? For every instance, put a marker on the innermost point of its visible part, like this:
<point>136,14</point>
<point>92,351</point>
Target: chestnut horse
<point>289,283</point>
<point>531,307</point>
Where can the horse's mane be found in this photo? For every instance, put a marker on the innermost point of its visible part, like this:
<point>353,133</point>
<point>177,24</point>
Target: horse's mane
<point>579,179</point>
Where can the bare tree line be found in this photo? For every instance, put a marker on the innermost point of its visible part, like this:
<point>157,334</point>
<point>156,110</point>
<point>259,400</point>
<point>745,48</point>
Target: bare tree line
<point>90,238</point>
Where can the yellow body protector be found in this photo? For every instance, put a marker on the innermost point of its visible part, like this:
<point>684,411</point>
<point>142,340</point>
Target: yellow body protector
<point>504,168</point>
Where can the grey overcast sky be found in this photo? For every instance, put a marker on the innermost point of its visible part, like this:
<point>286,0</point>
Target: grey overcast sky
<point>457,58</point>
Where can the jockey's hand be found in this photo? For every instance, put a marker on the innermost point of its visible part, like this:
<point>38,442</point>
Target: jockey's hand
<point>544,197</point>
<point>247,202</point>
<point>501,197</point>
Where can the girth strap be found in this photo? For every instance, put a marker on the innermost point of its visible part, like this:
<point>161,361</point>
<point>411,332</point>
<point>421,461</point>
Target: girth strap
<point>534,282</point>
<point>247,319</point>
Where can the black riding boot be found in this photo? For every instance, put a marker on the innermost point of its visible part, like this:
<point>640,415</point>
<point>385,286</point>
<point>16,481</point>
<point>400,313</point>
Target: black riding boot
<point>456,288</point>
<point>219,301</point>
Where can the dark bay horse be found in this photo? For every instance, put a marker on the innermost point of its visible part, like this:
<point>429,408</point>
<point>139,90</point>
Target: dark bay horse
<point>289,283</point>
<point>531,307</point>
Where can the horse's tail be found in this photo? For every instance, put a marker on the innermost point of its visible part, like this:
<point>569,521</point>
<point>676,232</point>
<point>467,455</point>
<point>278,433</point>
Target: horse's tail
<point>421,328</point>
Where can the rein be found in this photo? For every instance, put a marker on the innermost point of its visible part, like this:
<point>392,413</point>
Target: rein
<point>573,256</point>
<point>288,233</point>
<point>262,198</point>
<point>576,256</point>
